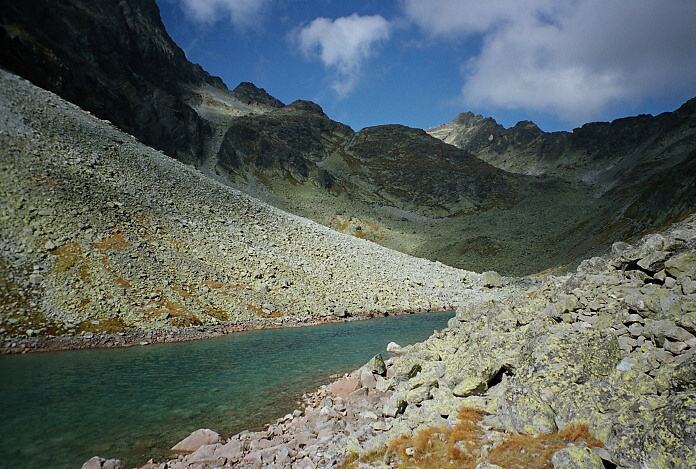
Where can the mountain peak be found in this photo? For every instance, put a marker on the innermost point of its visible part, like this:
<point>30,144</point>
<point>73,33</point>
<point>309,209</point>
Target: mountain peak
<point>470,119</point>
<point>307,106</point>
<point>249,93</point>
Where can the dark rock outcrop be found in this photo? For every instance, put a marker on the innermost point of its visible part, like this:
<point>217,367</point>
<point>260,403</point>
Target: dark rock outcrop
<point>291,139</point>
<point>114,59</point>
<point>251,94</point>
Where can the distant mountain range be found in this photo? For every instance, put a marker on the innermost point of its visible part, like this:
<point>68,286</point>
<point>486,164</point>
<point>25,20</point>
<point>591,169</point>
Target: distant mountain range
<point>469,193</point>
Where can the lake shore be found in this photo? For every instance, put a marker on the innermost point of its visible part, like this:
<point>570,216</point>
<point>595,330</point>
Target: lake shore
<point>88,340</point>
<point>593,368</point>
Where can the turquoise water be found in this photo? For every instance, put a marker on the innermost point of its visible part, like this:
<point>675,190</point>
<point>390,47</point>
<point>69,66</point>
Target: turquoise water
<point>59,409</point>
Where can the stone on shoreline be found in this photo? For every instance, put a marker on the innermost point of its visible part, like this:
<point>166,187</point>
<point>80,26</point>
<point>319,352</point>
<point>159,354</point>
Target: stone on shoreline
<point>100,463</point>
<point>395,348</point>
<point>195,440</point>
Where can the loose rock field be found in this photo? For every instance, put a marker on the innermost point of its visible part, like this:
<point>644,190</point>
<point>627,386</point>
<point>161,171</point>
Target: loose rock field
<point>103,235</point>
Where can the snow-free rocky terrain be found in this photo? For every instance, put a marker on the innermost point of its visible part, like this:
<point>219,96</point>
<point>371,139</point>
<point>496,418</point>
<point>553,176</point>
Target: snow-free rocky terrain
<point>588,370</point>
<point>101,234</point>
<point>516,200</point>
<point>107,242</point>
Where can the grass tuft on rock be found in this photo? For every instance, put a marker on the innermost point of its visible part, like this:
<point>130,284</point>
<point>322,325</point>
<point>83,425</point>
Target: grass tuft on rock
<point>465,446</point>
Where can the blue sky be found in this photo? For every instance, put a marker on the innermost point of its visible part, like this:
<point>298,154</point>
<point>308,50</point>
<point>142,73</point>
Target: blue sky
<point>421,62</point>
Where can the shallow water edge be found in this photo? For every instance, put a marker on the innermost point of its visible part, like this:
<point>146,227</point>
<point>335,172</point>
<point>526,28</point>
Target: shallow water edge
<point>20,345</point>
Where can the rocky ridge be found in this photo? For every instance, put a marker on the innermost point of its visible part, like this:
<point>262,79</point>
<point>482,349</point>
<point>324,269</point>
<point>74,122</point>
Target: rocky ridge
<point>102,235</point>
<point>595,368</point>
<point>595,152</point>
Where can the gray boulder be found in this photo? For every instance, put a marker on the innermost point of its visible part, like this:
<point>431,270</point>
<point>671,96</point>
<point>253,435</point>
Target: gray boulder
<point>576,457</point>
<point>195,440</point>
<point>522,410</point>
<point>100,463</point>
<point>492,279</point>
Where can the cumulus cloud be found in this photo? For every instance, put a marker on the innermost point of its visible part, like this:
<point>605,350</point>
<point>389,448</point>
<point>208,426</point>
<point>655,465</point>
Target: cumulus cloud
<point>241,13</point>
<point>343,45</point>
<point>570,59</point>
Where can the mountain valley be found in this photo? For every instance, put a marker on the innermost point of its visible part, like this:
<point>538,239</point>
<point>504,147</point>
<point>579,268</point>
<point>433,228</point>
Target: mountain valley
<point>142,201</point>
<point>542,201</point>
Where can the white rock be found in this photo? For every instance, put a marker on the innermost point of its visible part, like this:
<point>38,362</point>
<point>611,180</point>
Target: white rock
<point>195,440</point>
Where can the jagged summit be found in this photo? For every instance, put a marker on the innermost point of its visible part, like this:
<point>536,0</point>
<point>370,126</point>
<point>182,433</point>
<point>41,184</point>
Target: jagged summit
<point>307,106</point>
<point>593,147</point>
<point>251,94</point>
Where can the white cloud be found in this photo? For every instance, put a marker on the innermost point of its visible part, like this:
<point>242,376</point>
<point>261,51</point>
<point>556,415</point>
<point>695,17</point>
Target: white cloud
<point>241,13</point>
<point>570,59</point>
<point>343,45</point>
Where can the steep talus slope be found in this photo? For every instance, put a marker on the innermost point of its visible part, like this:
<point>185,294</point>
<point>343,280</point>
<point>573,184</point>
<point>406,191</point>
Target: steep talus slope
<point>102,234</point>
<point>113,58</point>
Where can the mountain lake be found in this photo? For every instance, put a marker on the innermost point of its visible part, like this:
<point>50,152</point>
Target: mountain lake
<point>59,409</point>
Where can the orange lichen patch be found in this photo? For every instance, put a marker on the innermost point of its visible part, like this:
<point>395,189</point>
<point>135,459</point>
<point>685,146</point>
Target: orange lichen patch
<point>184,292</point>
<point>341,222</point>
<point>102,325</point>
<point>224,288</point>
<point>122,282</point>
<point>217,312</point>
<point>115,242</point>
<point>175,309</point>
<point>368,230</point>
<point>461,446</point>
<point>532,293</point>
<point>261,313</point>
<point>84,273</point>
<point>257,309</point>
<point>363,229</point>
<point>67,256</point>
<point>163,305</point>
<point>213,285</point>
<point>43,181</point>
<point>83,302</point>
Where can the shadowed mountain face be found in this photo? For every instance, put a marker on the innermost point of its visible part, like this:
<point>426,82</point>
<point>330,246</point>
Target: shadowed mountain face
<point>478,196</point>
<point>389,165</point>
<point>114,59</point>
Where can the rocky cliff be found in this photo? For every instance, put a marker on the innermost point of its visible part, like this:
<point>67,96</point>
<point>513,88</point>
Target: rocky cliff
<point>114,59</point>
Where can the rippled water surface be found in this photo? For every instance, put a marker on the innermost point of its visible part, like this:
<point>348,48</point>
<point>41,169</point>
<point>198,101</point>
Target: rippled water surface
<point>59,409</point>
